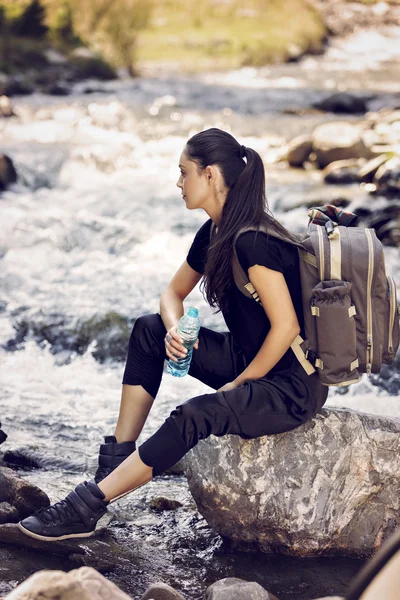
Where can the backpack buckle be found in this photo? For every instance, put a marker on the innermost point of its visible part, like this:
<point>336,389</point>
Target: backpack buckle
<point>330,228</point>
<point>311,356</point>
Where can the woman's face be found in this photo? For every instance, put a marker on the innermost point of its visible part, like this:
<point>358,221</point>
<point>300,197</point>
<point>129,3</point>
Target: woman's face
<point>194,186</point>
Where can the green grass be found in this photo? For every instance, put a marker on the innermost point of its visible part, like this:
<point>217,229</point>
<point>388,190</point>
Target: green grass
<point>227,38</point>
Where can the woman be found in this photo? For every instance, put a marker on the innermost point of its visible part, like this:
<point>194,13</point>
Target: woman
<point>261,389</point>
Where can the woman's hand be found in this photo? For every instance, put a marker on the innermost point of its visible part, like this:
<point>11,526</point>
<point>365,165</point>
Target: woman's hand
<point>174,345</point>
<point>232,385</point>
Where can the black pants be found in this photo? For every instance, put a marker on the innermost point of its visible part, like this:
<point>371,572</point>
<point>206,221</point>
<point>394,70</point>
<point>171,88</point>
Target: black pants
<point>272,404</point>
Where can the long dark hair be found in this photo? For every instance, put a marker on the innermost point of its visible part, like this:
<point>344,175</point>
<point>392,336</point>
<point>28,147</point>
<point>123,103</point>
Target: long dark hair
<point>245,205</point>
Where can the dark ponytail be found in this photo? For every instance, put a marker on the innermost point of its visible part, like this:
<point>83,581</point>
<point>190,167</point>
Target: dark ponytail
<point>245,204</point>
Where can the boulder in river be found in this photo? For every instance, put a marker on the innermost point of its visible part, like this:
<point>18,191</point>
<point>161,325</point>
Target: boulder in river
<point>343,171</point>
<point>387,177</point>
<point>8,174</point>
<point>329,487</point>
<point>338,141</point>
<point>84,583</point>
<point>298,150</point>
<point>343,103</point>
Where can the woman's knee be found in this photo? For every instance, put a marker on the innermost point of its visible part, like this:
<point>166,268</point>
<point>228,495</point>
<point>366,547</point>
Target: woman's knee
<point>202,416</point>
<point>148,328</point>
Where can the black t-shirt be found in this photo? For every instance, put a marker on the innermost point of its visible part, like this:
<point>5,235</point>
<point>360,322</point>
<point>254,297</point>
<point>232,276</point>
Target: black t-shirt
<point>246,318</point>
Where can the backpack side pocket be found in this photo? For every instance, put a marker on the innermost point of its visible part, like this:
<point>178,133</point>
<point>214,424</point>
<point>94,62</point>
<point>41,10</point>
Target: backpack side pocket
<point>391,332</point>
<point>332,307</point>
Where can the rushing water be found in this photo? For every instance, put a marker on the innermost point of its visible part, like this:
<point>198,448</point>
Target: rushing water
<point>96,226</point>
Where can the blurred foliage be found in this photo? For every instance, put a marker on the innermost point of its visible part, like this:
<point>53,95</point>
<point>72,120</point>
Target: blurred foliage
<point>199,34</point>
<point>108,26</point>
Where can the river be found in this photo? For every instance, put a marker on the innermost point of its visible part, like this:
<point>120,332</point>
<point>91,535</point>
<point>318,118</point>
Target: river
<point>93,232</point>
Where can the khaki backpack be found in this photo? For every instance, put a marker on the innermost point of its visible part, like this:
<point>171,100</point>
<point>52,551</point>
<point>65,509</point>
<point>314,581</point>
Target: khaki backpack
<point>351,317</point>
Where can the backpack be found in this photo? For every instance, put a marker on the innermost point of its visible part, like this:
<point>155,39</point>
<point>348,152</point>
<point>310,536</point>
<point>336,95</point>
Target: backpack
<point>351,316</point>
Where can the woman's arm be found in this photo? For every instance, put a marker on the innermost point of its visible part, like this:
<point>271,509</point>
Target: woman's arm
<point>180,286</point>
<point>277,303</point>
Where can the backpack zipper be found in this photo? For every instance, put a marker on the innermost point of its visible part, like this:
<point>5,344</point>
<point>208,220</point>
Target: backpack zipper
<point>392,314</point>
<point>369,301</point>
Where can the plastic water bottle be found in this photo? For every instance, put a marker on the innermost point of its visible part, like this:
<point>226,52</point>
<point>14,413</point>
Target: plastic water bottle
<point>188,329</point>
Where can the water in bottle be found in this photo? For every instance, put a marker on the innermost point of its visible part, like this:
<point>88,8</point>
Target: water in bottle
<point>188,329</point>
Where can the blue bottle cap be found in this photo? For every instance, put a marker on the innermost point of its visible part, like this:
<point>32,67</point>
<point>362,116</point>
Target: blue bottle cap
<point>192,312</point>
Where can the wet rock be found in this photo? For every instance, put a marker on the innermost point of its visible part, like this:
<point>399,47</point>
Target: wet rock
<point>343,103</point>
<point>111,333</point>
<point>232,588</point>
<point>8,174</point>
<point>8,513</point>
<point>57,89</point>
<point>5,107</point>
<point>16,86</point>
<point>338,141</point>
<point>298,150</point>
<point>343,171</point>
<point>3,436</point>
<point>161,504</point>
<point>329,487</point>
<point>26,498</point>
<point>100,552</point>
<point>386,223</point>
<point>369,169</point>
<point>387,177</point>
<point>84,583</point>
<point>161,591</point>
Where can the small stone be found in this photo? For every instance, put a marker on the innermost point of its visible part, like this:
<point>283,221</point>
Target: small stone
<point>161,591</point>
<point>161,503</point>
<point>8,513</point>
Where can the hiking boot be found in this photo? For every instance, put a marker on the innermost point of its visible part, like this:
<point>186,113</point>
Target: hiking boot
<point>111,455</point>
<point>76,516</point>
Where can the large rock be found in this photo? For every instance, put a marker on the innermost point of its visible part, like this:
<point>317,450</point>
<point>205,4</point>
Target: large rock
<point>338,141</point>
<point>83,584</point>
<point>26,498</point>
<point>329,487</point>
